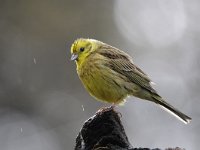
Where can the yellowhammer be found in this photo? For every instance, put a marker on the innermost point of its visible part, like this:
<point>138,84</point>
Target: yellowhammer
<point>110,75</point>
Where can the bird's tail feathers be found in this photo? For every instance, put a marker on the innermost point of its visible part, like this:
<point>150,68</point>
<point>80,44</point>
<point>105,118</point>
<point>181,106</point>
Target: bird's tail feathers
<point>169,108</point>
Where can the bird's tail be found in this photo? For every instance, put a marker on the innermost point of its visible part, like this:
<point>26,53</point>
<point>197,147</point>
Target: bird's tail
<point>166,106</point>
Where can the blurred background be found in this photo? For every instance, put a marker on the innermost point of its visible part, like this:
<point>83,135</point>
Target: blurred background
<point>42,102</point>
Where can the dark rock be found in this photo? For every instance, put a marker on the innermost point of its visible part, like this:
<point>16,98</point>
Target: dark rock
<point>104,131</point>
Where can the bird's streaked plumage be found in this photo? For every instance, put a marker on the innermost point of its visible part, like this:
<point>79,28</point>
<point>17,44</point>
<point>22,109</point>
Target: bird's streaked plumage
<point>110,75</point>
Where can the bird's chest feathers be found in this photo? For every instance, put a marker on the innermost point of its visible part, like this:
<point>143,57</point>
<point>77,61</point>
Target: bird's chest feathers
<point>89,69</point>
<point>98,82</point>
<point>89,73</point>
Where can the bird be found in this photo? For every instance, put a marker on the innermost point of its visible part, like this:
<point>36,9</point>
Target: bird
<point>110,75</point>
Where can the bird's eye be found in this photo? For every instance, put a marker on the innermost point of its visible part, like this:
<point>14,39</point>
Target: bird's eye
<point>82,49</point>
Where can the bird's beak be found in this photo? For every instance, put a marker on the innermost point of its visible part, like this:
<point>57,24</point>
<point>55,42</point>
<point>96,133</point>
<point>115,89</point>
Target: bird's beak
<point>74,56</point>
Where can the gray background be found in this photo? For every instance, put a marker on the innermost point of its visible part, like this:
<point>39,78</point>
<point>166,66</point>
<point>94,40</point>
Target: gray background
<point>42,102</point>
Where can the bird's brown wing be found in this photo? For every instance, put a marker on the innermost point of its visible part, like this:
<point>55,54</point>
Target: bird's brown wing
<point>122,63</point>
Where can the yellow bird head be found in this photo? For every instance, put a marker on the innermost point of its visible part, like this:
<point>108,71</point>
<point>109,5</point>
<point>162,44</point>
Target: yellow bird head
<point>81,48</point>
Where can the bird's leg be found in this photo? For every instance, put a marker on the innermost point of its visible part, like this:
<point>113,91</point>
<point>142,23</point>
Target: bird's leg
<point>113,106</point>
<point>106,108</point>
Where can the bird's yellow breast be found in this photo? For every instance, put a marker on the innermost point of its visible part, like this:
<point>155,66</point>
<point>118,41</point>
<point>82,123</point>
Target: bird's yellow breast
<point>97,80</point>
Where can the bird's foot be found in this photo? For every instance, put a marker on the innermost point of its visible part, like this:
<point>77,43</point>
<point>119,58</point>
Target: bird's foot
<point>104,109</point>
